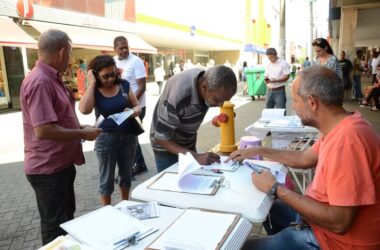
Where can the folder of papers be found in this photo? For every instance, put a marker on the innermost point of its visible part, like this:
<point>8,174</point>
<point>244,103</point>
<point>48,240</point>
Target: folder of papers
<point>186,180</point>
<point>268,115</point>
<point>204,229</point>
<point>107,228</point>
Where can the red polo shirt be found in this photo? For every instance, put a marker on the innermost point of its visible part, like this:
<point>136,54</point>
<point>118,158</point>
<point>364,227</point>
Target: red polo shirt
<point>44,100</point>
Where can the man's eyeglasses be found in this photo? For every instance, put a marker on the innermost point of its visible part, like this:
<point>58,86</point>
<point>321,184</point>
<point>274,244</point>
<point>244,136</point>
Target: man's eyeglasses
<point>105,77</point>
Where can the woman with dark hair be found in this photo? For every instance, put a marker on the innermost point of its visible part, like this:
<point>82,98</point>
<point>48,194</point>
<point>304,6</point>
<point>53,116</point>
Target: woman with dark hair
<point>325,56</point>
<point>109,95</point>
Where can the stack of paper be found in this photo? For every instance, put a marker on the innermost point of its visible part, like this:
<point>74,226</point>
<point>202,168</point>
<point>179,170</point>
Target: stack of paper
<point>106,228</point>
<point>268,115</point>
<point>197,229</point>
<point>63,242</point>
<point>286,122</point>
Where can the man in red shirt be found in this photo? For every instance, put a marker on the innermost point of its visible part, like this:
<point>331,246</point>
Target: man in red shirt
<point>340,208</point>
<point>52,134</point>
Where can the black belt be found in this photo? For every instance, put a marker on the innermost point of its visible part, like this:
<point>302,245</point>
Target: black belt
<point>277,89</point>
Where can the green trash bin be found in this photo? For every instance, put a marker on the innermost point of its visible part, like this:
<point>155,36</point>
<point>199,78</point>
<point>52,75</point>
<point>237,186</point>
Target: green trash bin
<point>255,81</point>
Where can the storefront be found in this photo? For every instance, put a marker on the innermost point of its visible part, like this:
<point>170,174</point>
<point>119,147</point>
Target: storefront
<point>13,41</point>
<point>90,35</point>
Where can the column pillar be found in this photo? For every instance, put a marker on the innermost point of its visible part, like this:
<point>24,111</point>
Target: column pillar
<point>348,23</point>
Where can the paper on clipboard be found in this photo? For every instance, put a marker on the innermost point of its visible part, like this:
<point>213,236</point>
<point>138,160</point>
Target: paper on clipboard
<point>190,231</point>
<point>185,180</point>
<point>102,228</point>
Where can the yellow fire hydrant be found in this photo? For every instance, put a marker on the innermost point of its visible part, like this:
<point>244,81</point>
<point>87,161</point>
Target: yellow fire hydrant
<point>225,120</point>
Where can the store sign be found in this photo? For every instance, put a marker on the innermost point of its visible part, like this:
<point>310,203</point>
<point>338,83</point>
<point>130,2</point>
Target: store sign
<point>25,8</point>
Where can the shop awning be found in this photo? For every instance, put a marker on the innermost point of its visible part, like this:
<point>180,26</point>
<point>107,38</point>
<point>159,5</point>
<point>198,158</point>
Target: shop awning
<point>12,35</point>
<point>98,39</point>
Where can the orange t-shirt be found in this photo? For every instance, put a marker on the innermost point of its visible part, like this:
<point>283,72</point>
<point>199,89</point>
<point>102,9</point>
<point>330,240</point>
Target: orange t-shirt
<point>348,174</point>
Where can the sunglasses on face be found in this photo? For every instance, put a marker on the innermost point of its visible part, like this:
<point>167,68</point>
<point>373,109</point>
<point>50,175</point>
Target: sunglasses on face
<point>105,77</point>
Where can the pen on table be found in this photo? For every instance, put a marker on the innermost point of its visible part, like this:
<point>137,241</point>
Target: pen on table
<point>128,239</point>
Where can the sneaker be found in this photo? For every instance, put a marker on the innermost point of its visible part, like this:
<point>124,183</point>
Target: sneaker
<point>138,169</point>
<point>374,108</point>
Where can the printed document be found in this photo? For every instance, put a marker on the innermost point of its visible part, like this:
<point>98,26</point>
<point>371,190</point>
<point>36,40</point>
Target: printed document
<point>119,118</point>
<point>286,122</point>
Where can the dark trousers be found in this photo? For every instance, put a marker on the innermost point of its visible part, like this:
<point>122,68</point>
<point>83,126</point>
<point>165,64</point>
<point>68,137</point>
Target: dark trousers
<point>55,201</point>
<point>374,94</point>
<point>139,157</point>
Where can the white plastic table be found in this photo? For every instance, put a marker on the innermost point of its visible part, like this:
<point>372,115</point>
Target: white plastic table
<point>237,194</point>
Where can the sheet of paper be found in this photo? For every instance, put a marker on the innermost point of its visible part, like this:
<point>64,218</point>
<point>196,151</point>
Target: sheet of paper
<point>223,166</point>
<point>103,227</point>
<point>99,121</point>
<point>277,169</point>
<point>62,242</point>
<point>201,184</point>
<point>195,230</point>
<point>268,115</point>
<point>119,118</point>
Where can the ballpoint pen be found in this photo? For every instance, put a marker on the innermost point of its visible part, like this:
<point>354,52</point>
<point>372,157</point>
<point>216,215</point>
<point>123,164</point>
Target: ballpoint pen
<point>131,240</point>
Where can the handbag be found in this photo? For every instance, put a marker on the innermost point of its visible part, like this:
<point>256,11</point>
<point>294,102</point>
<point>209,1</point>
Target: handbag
<point>135,122</point>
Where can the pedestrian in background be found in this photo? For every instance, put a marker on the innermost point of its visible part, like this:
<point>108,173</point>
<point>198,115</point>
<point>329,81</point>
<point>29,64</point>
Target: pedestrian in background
<point>347,68</point>
<point>358,70</point>
<point>374,63</point>
<point>133,70</point>
<point>52,134</point>
<point>276,74</point>
<point>326,57</point>
<point>109,94</point>
<point>306,63</point>
<point>159,75</point>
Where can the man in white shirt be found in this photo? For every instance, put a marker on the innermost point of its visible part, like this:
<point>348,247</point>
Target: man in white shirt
<point>375,61</point>
<point>133,70</point>
<point>276,74</point>
<point>159,76</point>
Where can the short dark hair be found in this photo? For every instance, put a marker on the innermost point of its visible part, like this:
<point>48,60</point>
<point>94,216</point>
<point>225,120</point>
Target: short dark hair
<point>100,62</point>
<point>119,39</point>
<point>271,51</point>
<point>321,82</point>
<point>52,41</point>
<point>324,44</point>
<point>221,77</point>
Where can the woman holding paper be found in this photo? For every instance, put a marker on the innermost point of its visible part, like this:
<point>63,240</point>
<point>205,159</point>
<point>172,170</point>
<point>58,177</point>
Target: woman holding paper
<point>111,97</point>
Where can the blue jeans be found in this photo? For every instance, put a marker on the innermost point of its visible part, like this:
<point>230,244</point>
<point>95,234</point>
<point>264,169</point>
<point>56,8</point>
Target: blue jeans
<point>275,98</point>
<point>139,157</point>
<point>112,148</point>
<point>281,236</point>
<point>358,87</point>
<point>164,160</point>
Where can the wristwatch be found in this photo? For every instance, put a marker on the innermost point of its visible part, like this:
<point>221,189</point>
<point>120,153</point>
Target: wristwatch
<point>272,193</point>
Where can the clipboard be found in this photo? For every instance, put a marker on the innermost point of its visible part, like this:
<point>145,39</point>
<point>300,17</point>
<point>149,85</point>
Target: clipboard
<point>219,244</point>
<point>167,181</point>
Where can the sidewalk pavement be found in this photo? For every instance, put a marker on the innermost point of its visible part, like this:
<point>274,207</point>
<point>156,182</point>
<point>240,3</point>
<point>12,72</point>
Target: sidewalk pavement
<point>19,218</point>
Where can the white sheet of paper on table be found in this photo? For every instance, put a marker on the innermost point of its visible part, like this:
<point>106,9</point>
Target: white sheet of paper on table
<point>222,165</point>
<point>277,169</point>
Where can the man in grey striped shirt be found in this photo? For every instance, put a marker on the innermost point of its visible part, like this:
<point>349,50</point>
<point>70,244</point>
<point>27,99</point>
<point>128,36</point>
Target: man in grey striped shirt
<point>181,109</point>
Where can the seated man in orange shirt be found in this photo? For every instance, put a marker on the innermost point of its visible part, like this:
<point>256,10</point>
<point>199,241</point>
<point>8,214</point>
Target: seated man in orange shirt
<point>340,208</point>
